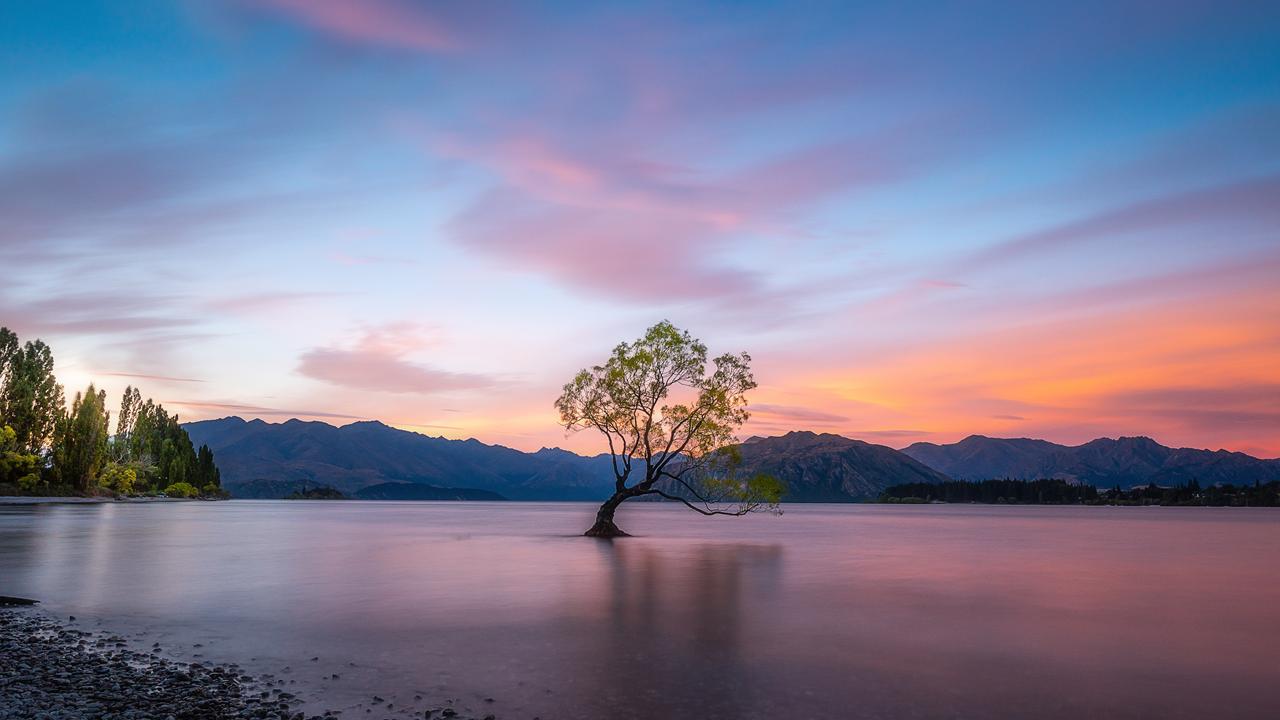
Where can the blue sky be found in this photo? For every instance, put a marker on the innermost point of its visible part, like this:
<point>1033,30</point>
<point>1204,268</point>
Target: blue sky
<point>923,220</point>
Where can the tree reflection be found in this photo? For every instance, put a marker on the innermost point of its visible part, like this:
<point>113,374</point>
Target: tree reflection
<point>677,624</point>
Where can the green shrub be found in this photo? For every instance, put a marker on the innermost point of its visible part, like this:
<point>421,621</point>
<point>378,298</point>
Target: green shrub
<point>181,490</point>
<point>118,478</point>
<point>29,483</point>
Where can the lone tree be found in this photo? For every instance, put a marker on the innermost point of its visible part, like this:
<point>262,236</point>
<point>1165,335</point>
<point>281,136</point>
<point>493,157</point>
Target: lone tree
<point>678,447</point>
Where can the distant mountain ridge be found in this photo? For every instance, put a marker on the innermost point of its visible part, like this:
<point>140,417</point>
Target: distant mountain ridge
<point>831,468</point>
<point>271,460</point>
<point>1105,462</point>
<point>260,459</point>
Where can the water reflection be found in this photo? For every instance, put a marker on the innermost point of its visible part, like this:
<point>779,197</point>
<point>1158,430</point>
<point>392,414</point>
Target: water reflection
<point>674,624</point>
<point>827,612</point>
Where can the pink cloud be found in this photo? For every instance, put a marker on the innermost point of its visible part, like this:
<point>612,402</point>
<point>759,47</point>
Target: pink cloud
<point>377,362</point>
<point>773,414</point>
<point>638,229</point>
<point>389,23</point>
<point>613,251</point>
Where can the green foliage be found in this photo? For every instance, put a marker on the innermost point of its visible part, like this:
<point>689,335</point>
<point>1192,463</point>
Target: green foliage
<point>214,491</point>
<point>29,483</point>
<point>80,443</point>
<point>666,416</point>
<point>206,472</point>
<point>157,443</point>
<point>30,397</point>
<point>181,490</point>
<point>149,451</point>
<point>119,478</point>
<point>130,406</point>
<point>17,468</point>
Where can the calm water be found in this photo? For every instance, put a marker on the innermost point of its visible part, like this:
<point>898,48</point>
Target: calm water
<point>828,611</point>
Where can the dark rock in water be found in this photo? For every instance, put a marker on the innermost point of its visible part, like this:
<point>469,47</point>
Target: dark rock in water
<point>6,600</point>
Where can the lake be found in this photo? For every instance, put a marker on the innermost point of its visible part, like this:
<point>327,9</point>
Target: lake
<point>830,611</point>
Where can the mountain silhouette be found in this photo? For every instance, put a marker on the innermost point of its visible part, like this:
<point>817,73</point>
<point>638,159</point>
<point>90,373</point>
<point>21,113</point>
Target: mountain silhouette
<point>1105,462</point>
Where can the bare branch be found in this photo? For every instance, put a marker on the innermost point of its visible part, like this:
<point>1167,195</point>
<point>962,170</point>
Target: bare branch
<point>735,513</point>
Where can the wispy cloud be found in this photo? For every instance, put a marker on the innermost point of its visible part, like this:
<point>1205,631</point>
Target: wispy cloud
<point>157,378</point>
<point>109,312</point>
<point>377,361</point>
<point>1233,208</point>
<point>388,23</point>
<point>254,410</point>
<point>801,415</point>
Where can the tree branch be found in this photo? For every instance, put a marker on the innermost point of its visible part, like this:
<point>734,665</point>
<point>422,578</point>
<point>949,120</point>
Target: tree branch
<point>701,498</point>
<point>736,513</point>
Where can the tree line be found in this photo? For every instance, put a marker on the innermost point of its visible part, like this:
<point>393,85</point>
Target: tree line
<point>1062,492</point>
<point>49,448</point>
<point>1023,492</point>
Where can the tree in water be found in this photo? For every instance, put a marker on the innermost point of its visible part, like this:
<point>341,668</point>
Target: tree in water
<point>683,446</point>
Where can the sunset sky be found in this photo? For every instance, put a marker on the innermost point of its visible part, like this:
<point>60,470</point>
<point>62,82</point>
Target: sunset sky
<point>922,220</point>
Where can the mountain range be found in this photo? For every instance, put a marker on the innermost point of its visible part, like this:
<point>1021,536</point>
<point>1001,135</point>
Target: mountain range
<point>1105,462</point>
<point>372,460</point>
<point>831,468</point>
<point>261,459</point>
<point>366,459</point>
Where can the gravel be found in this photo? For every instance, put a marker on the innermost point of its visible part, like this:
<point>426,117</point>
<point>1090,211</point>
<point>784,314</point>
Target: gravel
<point>51,671</point>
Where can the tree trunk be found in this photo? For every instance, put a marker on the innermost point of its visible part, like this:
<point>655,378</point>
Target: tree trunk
<point>605,527</point>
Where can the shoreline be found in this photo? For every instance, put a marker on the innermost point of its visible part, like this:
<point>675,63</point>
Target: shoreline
<point>78,500</point>
<point>53,668</point>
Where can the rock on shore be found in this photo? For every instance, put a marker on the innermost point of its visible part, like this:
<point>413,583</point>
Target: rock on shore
<point>51,672</point>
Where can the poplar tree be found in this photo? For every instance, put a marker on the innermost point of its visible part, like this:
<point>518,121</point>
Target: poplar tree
<point>30,397</point>
<point>80,444</point>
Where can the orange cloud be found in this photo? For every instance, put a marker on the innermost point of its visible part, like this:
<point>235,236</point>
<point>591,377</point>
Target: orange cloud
<point>1197,372</point>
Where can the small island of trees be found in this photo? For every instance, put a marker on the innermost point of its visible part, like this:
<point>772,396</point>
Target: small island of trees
<point>48,448</point>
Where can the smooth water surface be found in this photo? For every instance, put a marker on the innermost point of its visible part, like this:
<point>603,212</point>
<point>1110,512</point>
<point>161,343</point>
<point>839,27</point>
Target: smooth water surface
<point>826,612</point>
